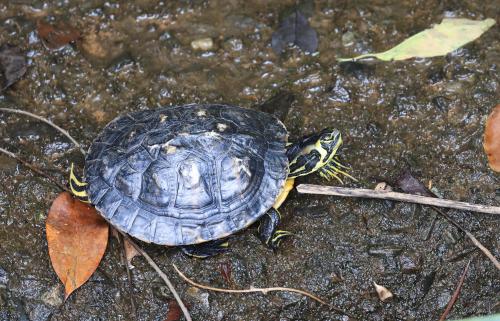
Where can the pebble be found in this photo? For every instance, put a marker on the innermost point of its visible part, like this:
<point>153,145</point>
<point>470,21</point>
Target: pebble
<point>53,296</point>
<point>4,278</point>
<point>202,44</point>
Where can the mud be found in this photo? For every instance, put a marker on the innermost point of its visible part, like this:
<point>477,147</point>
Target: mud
<point>423,114</point>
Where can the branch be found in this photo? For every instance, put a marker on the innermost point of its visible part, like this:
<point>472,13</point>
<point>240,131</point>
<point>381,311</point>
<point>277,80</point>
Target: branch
<point>403,197</point>
<point>455,294</point>
<point>252,289</point>
<point>48,122</point>
<point>161,274</point>
<point>35,169</point>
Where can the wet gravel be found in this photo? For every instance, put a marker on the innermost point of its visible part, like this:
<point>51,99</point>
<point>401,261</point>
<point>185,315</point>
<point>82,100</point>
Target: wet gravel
<point>423,114</point>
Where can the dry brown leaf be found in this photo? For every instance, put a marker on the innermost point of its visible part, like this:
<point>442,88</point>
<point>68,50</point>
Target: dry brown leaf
<point>174,311</point>
<point>77,237</point>
<point>55,37</point>
<point>130,252</point>
<point>491,141</point>
<point>383,292</point>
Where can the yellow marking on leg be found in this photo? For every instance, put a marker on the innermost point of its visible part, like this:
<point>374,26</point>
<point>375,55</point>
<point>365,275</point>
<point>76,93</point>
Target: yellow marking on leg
<point>284,193</point>
<point>74,181</point>
<point>73,178</point>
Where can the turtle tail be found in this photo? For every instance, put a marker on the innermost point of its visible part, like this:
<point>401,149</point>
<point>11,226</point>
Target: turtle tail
<point>78,187</point>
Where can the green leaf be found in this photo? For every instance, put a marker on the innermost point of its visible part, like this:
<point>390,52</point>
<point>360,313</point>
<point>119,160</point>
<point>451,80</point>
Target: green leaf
<point>441,39</point>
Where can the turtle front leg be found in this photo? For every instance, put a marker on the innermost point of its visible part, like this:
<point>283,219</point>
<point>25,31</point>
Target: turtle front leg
<point>207,249</point>
<point>268,228</point>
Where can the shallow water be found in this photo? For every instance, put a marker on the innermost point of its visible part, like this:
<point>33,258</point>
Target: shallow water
<point>425,114</point>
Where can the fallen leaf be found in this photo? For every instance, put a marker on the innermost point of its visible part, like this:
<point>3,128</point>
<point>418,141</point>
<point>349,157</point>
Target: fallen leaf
<point>225,270</point>
<point>130,252</point>
<point>55,37</point>
<point>77,237</point>
<point>383,292</point>
<point>409,184</point>
<point>174,311</point>
<point>449,35</point>
<point>491,142</point>
<point>12,65</point>
<point>383,186</point>
<point>295,29</point>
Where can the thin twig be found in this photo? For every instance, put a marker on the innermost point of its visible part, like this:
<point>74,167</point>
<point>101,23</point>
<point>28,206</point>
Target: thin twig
<point>411,198</point>
<point>161,274</point>
<point>48,122</point>
<point>403,197</point>
<point>35,169</point>
<point>455,294</point>
<point>129,277</point>
<point>252,290</point>
<point>473,239</point>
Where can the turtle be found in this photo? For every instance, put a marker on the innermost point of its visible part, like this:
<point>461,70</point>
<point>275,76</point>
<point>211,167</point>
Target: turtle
<point>194,174</point>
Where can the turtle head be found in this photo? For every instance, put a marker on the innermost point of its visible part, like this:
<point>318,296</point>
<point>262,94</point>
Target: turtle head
<point>317,153</point>
<point>328,143</point>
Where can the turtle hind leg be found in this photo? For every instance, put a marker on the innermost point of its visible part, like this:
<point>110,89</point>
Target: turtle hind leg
<point>207,249</point>
<point>78,187</point>
<point>268,229</point>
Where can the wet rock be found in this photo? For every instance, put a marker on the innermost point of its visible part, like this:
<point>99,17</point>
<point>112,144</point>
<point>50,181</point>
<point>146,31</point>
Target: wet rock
<point>240,22</point>
<point>360,71</point>
<point>443,299</point>
<point>54,296</point>
<point>441,103</point>
<point>12,65</point>
<point>233,44</point>
<point>348,38</point>
<point>405,104</point>
<point>339,93</point>
<point>202,44</point>
<point>40,312</point>
<point>161,291</point>
<point>409,263</point>
<point>436,76</point>
<point>4,278</point>
<point>104,47</point>
<point>199,295</point>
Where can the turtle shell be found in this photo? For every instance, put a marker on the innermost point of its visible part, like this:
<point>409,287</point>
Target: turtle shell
<point>187,174</point>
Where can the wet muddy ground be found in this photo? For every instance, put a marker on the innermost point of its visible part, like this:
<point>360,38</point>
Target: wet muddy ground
<point>423,114</point>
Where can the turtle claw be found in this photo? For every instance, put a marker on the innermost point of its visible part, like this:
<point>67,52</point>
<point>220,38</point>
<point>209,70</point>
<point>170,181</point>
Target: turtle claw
<point>268,232</point>
<point>207,249</point>
<point>275,240</point>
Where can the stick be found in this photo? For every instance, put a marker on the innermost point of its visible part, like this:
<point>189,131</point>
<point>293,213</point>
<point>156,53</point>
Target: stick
<point>161,274</point>
<point>473,239</point>
<point>129,277</point>
<point>455,294</point>
<point>48,122</point>
<point>252,289</point>
<point>403,197</point>
<point>35,169</point>
<point>411,198</point>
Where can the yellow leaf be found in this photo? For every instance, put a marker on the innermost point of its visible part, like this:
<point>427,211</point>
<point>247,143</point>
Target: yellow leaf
<point>443,38</point>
